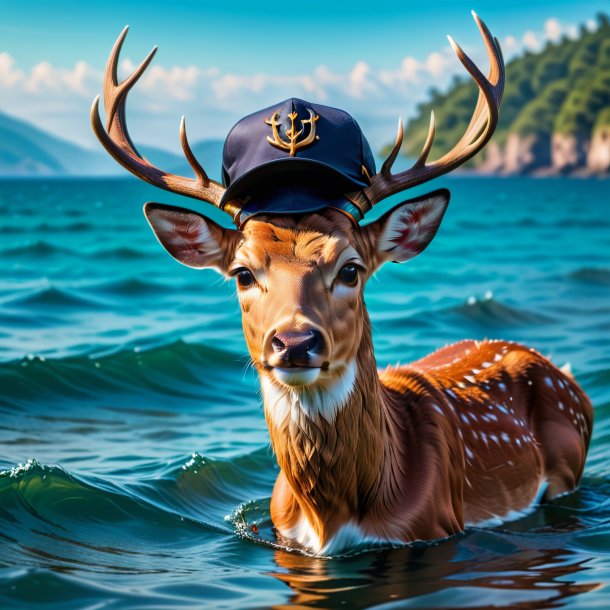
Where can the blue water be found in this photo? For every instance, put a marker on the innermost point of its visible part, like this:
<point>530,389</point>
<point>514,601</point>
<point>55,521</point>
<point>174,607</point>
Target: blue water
<point>134,457</point>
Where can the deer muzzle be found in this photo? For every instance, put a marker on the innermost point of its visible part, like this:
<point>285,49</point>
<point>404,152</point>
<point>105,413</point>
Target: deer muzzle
<point>296,357</point>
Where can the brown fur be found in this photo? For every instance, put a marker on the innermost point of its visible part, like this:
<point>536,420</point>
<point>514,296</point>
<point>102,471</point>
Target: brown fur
<point>413,452</point>
<point>389,461</point>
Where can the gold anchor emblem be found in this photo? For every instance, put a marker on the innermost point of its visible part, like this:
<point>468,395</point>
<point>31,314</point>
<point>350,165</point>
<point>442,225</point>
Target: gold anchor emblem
<point>293,143</point>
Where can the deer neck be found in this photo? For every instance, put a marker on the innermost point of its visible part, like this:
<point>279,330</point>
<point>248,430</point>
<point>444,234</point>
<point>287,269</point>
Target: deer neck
<point>330,445</point>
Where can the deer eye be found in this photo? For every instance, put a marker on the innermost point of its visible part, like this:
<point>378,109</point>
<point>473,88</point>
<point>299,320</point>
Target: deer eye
<point>245,278</point>
<point>349,274</point>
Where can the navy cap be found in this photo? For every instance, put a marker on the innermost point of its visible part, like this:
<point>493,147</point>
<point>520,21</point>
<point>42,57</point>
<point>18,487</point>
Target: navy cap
<point>295,157</point>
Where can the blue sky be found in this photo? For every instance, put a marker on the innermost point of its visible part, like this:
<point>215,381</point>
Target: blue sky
<point>219,61</point>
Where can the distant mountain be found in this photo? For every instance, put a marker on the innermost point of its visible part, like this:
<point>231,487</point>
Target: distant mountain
<point>555,115</point>
<point>26,150</point>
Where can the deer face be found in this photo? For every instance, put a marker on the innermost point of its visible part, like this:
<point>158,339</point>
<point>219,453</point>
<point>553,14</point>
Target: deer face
<point>300,280</point>
<point>300,285</point>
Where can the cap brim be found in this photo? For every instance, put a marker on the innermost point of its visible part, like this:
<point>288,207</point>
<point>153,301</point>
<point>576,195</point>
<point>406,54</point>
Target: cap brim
<point>289,196</point>
<point>259,177</point>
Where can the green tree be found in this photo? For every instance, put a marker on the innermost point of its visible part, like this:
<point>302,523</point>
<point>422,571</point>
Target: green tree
<point>564,88</point>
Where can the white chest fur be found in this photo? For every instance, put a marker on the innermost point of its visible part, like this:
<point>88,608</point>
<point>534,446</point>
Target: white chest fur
<point>318,400</point>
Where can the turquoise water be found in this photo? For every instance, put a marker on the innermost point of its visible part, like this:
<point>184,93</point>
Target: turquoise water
<point>146,471</point>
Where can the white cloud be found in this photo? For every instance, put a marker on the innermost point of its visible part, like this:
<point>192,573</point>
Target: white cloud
<point>410,69</point>
<point>176,82</point>
<point>436,64</point>
<point>553,29</point>
<point>229,85</point>
<point>409,72</point>
<point>45,78</point>
<point>361,80</point>
<point>510,45</point>
<point>530,41</point>
<point>58,98</point>
<point>413,73</point>
<point>9,75</point>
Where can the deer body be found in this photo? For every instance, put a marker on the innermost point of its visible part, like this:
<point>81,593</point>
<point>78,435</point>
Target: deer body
<point>465,435</point>
<point>468,434</point>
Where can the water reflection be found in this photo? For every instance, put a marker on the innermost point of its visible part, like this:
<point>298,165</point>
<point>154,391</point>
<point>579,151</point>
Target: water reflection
<point>482,570</point>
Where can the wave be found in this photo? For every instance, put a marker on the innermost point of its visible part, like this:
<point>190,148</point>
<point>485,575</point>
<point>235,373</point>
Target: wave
<point>73,227</point>
<point>52,296</point>
<point>210,486</point>
<point>489,312</point>
<point>129,287</point>
<point>119,252</point>
<point>591,275</point>
<point>31,586</point>
<point>94,523</point>
<point>196,491</point>
<point>598,378</point>
<point>563,223</point>
<point>477,312</point>
<point>46,228</point>
<point>57,496</point>
<point>43,248</point>
<point>36,248</point>
<point>193,353</point>
<point>176,369</point>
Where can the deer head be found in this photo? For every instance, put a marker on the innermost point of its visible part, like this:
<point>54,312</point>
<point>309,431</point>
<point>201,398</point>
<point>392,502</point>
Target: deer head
<point>301,278</point>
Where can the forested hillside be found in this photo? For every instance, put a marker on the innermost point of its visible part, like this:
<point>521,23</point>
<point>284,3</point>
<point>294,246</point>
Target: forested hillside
<point>555,115</point>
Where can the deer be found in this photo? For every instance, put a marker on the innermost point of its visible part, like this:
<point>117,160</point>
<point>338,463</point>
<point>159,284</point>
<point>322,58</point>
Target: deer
<point>471,434</point>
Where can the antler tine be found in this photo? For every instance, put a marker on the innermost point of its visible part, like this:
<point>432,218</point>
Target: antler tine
<point>501,69</point>
<point>480,129</point>
<point>190,157</point>
<point>386,168</point>
<point>494,52</point>
<point>488,86</point>
<point>116,140</point>
<point>115,93</point>
<point>486,99</point>
<point>423,156</point>
<point>421,160</point>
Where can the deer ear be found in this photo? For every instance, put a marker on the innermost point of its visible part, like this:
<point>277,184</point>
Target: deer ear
<point>407,229</point>
<point>192,239</point>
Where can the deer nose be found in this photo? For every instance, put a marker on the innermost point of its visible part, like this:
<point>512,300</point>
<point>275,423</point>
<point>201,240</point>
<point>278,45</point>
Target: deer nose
<point>296,347</point>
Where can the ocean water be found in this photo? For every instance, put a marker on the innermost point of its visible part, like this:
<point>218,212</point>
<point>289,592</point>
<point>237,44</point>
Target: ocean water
<point>135,468</point>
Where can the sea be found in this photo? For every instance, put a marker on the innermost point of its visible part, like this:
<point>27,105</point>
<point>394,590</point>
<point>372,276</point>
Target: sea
<point>135,464</point>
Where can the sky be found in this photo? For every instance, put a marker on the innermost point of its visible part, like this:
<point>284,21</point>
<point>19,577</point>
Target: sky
<point>219,61</point>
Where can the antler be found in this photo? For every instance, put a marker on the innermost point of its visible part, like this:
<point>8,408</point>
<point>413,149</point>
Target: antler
<point>482,125</point>
<point>115,138</point>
